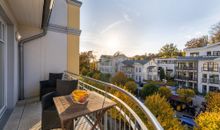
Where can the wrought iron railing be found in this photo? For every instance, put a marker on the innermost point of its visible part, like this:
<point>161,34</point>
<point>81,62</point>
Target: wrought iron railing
<point>127,116</point>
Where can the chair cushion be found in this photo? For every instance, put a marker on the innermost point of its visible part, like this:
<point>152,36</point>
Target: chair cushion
<point>65,87</point>
<point>52,83</point>
<point>55,76</point>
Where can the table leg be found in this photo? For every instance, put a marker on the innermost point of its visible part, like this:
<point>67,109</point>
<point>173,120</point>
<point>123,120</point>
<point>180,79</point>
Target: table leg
<point>68,125</point>
<point>98,119</point>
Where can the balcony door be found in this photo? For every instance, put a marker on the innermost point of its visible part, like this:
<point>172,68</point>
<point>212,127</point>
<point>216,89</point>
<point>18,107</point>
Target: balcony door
<point>2,65</point>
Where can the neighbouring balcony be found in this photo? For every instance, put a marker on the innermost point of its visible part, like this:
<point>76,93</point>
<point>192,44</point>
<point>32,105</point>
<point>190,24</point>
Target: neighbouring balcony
<point>123,116</point>
<point>211,81</point>
<point>210,69</point>
<point>185,78</point>
<point>185,68</point>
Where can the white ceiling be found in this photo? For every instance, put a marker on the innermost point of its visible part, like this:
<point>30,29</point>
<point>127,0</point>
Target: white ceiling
<point>27,12</point>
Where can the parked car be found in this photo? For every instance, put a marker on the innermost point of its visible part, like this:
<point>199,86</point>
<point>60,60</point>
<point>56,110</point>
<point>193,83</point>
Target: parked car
<point>186,120</point>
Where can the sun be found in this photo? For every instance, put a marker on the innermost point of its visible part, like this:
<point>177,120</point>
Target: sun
<point>113,43</point>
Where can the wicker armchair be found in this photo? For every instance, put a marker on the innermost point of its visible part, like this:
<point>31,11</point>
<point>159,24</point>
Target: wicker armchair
<point>48,86</point>
<point>50,118</point>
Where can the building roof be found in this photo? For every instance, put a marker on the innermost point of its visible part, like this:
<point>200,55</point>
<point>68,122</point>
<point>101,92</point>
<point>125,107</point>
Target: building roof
<point>131,62</point>
<point>106,56</point>
<point>196,58</point>
<point>204,47</point>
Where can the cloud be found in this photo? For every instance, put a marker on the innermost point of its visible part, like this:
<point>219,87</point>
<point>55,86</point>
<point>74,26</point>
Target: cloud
<point>109,27</point>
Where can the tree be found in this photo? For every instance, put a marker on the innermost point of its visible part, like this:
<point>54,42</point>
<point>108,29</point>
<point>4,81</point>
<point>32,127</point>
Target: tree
<point>213,102</point>
<point>148,90</point>
<point>87,61</point>
<point>162,74</point>
<point>97,76</point>
<point>163,112</point>
<point>165,92</point>
<point>197,42</point>
<point>215,33</point>
<point>208,121</point>
<point>131,86</point>
<point>119,79</point>
<point>186,94</point>
<point>84,71</point>
<point>105,77</point>
<point>118,53</point>
<point>169,51</point>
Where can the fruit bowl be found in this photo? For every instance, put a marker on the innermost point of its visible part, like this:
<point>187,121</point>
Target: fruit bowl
<point>80,96</point>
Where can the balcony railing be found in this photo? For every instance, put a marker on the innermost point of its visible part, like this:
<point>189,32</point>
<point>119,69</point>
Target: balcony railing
<point>123,115</point>
<point>185,68</point>
<point>211,69</point>
<point>185,78</point>
<point>211,81</point>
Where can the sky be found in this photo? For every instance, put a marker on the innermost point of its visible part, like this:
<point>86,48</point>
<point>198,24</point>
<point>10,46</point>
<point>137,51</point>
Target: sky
<point>136,27</point>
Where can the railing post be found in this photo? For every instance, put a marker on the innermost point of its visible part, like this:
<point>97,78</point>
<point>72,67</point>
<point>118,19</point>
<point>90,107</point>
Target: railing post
<point>106,121</point>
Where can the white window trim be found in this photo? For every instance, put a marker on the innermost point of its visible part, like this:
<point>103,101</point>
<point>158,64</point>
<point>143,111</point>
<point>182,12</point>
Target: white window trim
<point>3,42</point>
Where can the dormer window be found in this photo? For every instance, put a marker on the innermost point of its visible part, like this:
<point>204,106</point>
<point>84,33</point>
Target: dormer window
<point>216,53</point>
<point>209,53</point>
<point>194,54</point>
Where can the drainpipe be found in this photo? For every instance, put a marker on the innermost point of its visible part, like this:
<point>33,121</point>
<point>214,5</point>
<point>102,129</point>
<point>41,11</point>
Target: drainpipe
<point>47,9</point>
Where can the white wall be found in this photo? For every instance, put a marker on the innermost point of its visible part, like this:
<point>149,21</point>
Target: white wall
<point>201,72</point>
<point>46,54</point>
<point>41,56</point>
<point>203,50</point>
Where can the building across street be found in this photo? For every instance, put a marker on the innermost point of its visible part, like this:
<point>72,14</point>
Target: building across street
<point>198,70</point>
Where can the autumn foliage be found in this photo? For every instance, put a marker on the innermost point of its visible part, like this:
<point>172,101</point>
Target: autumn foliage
<point>163,111</point>
<point>210,119</point>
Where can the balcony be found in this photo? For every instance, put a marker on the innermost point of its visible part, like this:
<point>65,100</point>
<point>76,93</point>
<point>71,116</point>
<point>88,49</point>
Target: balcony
<point>213,81</point>
<point>185,68</point>
<point>27,114</point>
<point>185,78</point>
<point>210,80</point>
<point>210,69</point>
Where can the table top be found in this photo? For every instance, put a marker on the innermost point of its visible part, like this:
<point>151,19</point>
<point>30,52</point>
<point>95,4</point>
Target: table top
<point>67,109</point>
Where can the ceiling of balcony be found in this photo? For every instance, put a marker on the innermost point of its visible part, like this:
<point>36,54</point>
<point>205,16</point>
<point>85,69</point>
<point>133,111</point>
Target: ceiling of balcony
<point>27,12</point>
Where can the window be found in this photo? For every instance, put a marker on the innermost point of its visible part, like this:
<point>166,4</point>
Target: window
<point>2,62</point>
<point>139,69</point>
<point>1,32</point>
<point>212,88</point>
<point>1,75</point>
<point>204,88</point>
<point>214,79</point>
<point>139,78</point>
<point>194,54</point>
<point>204,76</point>
<point>210,66</point>
<point>216,53</point>
<point>205,66</point>
<point>209,53</point>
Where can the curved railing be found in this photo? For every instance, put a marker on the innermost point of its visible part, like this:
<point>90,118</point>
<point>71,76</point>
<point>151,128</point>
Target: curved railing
<point>122,116</point>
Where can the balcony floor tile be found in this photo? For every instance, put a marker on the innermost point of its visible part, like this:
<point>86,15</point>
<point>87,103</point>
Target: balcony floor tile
<point>27,116</point>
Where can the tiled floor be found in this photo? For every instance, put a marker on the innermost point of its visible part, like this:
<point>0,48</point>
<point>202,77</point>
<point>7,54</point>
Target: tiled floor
<point>27,116</point>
